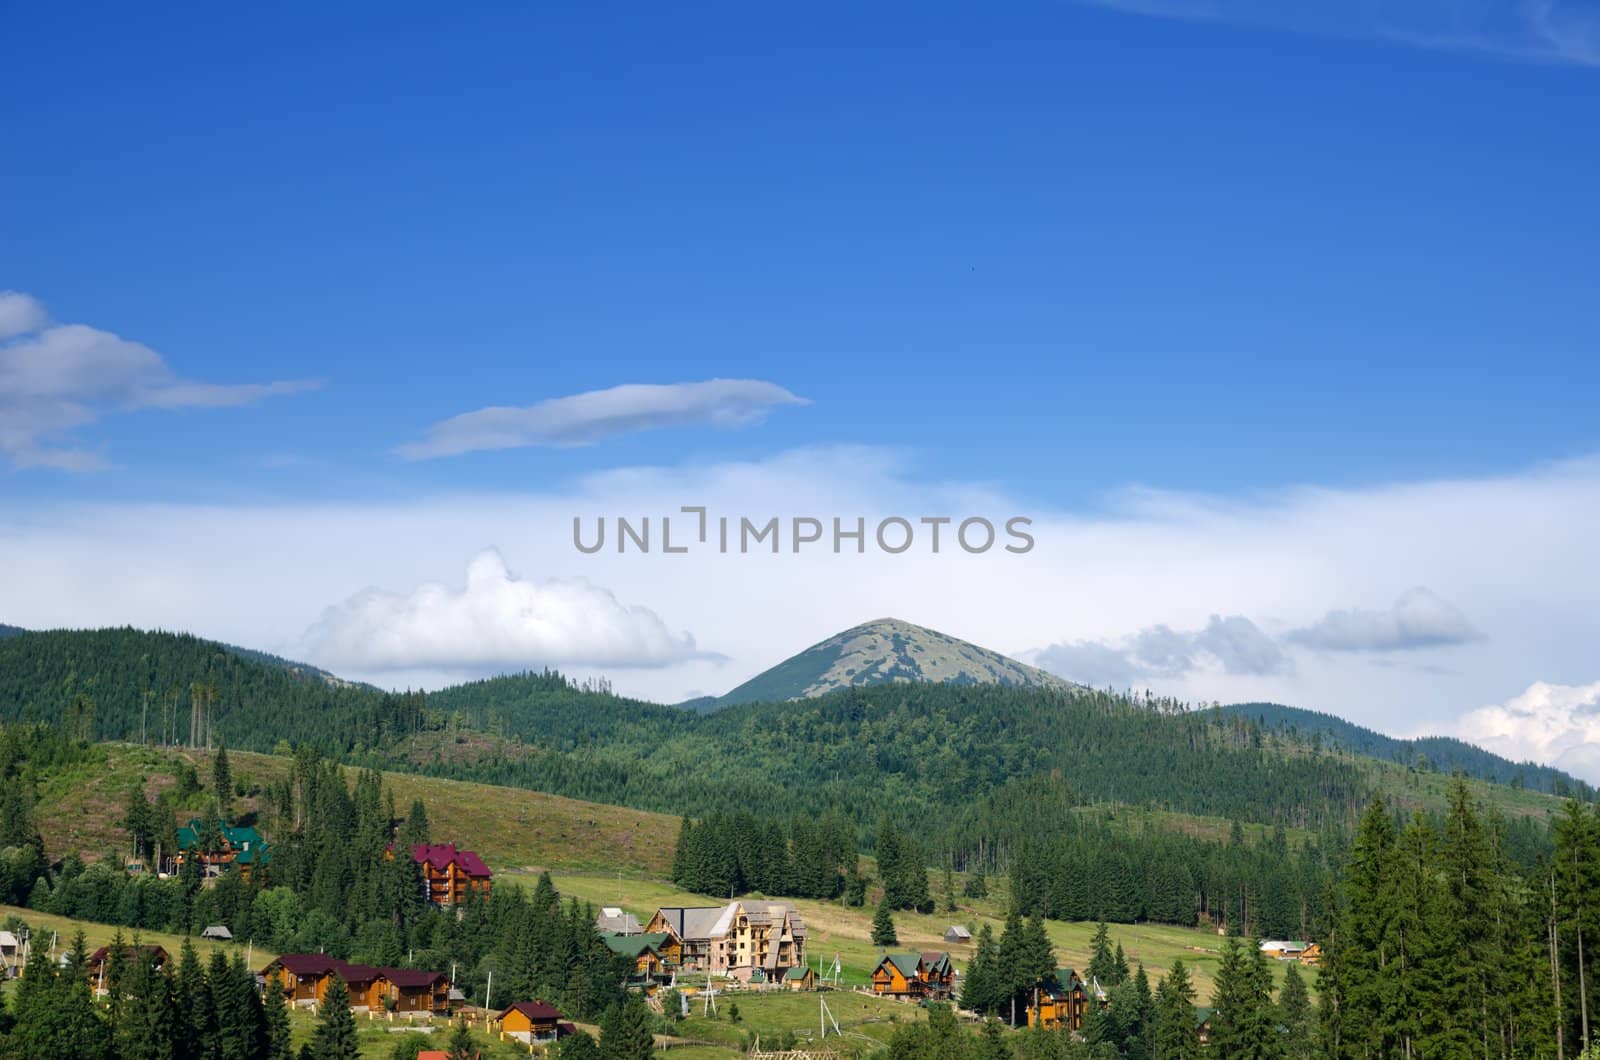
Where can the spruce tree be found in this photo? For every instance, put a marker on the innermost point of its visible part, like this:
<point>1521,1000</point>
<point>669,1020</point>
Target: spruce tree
<point>1244,1023</point>
<point>978,986</point>
<point>222,781</point>
<point>461,1047</point>
<point>578,1046</point>
<point>1294,1010</point>
<point>1102,964</point>
<point>275,1010</point>
<point>335,1036</point>
<point>883,932</point>
<point>1175,1036</point>
<point>625,1031</point>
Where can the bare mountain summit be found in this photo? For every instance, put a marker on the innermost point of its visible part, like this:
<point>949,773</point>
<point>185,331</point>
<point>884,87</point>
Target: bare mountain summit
<point>881,652</point>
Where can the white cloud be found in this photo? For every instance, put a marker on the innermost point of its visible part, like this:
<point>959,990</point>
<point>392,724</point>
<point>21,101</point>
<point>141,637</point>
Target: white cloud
<point>1418,619</point>
<point>582,419</point>
<point>1553,31</point>
<point>19,314</point>
<point>261,573</point>
<point>57,378</point>
<point>1232,644</point>
<point>497,621</point>
<point>1557,725</point>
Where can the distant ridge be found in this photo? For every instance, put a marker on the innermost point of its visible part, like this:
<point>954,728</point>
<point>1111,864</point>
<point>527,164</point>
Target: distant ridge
<point>884,651</point>
<point>1443,754</point>
<point>10,631</point>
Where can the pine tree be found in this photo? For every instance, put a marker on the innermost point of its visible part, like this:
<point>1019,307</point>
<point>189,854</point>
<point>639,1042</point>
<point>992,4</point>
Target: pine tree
<point>1175,1037</point>
<point>1294,1009</point>
<point>461,1047</point>
<point>335,1036</point>
<point>276,1013</point>
<point>222,781</point>
<point>992,1043</point>
<point>1102,964</point>
<point>578,1046</point>
<point>1244,1023</point>
<point>625,1031</point>
<point>1119,966</point>
<point>979,991</point>
<point>883,932</point>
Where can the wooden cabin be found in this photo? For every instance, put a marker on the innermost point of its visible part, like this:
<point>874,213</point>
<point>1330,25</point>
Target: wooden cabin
<point>1282,949</point>
<point>100,959</point>
<point>801,978</point>
<point>449,875</point>
<point>530,1022</point>
<point>1312,954</point>
<point>640,949</point>
<point>220,846</point>
<point>305,977</point>
<point>1202,1025</point>
<point>957,935</point>
<point>939,976</point>
<point>688,931</point>
<point>1060,1000</point>
<point>899,975</point>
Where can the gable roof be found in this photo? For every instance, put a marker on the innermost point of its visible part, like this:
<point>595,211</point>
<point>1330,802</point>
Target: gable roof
<point>690,922</point>
<point>537,1011</point>
<point>908,964</point>
<point>936,962</point>
<point>617,921</point>
<point>441,855</point>
<point>797,974</point>
<point>235,837</point>
<point>317,965</point>
<point>631,945</point>
<point>958,931</point>
<point>127,952</point>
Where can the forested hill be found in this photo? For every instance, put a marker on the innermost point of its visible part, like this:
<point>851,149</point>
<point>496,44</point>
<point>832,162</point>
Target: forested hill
<point>111,684</point>
<point>1442,754</point>
<point>10,631</point>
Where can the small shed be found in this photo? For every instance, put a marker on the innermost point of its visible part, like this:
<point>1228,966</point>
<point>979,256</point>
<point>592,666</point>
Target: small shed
<point>800,978</point>
<point>957,934</point>
<point>217,933</point>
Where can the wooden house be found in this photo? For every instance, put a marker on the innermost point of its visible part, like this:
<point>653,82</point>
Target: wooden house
<point>1060,1000</point>
<point>217,933</point>
<point>1312,954</point>
<point>641,950</point>
<point>938,976</point>
<point>218,846</point>
<point>801,978</point>
<point>1282,949</point>
<point>305,977</point>
<point>957,935</point>
<point>100,959</point>
<point>688,931</point>
<point>899,975</point>
<point>1202,1025</point>
<point>449,875</point>
<point>530,1022</point>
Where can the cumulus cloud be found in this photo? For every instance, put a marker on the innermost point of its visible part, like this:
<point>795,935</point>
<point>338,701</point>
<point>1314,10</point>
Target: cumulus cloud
<point>56,378</point>
<point>1557,725</point>
<point>1230,643</point>
<point>1555,31</point>
<point>1418,619</point>
<point>496,621</point>
<point>582,419</point>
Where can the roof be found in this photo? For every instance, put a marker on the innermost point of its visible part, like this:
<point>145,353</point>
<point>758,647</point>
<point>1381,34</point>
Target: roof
<point>237,837</point>
<point>1201,1015</point>
<point>617,921</point>
<point>936,961</point>
<point>316,965</point>
<point>796,974</point>
<point>1281,944</point>
<point>632,945</point>
<point>907,963</point>
<point>534,1010</point>
<point>9,940</point>
<point>958,931</point>
<point>216,931</point>
<point>440,855</point>
<point>127,950</point>
<point>690,922</point>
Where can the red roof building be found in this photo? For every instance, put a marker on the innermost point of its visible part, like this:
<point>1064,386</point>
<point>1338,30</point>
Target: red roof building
<point>449,874</point>
<point>305,976</point>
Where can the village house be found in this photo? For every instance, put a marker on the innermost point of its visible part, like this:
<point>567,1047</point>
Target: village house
<point>10,954</point>
<point>305,977</point>
<point>1202,1025</point>
<point>939,973</point>
<point>614,921</point>
<point>642,951</point>
<point>220,846</point>
<point>688,931</point>
<point>1282,949</point>
<point>1312,955</point>
<point>98,960</point>
<point>899,975</point>
<point>217,933</point>
<point>957,935</point>
<point>449,875</point>
<point>735,939</point>
<point>531,1023</point>
<point>1060,1000</point>
<point>801,978</point>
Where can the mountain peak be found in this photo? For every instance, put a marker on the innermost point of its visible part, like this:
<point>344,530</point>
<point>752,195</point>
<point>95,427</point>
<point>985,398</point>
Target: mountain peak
<point>884,651</point>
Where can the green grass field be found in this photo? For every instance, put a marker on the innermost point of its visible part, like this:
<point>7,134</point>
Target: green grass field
<point>96,935</point>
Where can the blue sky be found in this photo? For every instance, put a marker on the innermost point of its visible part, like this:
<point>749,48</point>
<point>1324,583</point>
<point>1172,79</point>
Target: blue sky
<point>1050,252</point>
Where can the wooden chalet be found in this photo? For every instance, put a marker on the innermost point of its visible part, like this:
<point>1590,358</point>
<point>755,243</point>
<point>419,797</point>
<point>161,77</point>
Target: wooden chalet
<point>218,846</point>
<point>1060,1000</point>
<point>939,975</point>
<point>688,931</point>
<point>449,875</point>
<point>1202,1025</point>
<point>305,977</point>
<point>642,951</point>
<point>100,959</point>
<point>957,935</point>
<point>530,1022</point>
<point>1282,949</point>
<point>899,975</point>
<point>1312,954</point>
